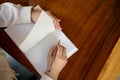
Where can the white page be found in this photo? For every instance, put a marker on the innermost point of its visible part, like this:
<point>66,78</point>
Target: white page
<point>37,55</point>
<point>42,27</point>
<point>19,32</point>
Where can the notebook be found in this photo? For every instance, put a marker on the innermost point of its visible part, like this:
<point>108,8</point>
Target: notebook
<point>36,40</point>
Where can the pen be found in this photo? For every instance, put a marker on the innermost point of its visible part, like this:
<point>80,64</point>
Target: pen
<point>53,55</point>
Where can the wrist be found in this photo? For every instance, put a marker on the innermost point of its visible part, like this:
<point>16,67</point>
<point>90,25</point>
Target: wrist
<point>52,74</point>
<point>34,15</point>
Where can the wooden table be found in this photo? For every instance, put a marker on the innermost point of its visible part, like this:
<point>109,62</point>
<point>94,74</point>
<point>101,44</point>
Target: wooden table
<point>111,69</point>
<point>92,25</point>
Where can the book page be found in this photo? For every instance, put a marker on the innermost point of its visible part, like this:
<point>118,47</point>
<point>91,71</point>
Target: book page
<point>37,55</point>
<point>42,27</point>
<point>19,32</point>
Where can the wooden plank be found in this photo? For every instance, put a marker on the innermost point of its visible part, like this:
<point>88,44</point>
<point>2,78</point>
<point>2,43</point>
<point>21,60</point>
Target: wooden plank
<point>111,69</point>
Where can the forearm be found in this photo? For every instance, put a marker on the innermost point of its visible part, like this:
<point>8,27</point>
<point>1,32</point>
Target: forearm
<point>12,14</point>
<point>45,77</point>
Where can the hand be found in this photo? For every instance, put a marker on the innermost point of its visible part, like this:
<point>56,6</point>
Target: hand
<point>56,61</point>
<point>56,21</point>
<point>35,14</point>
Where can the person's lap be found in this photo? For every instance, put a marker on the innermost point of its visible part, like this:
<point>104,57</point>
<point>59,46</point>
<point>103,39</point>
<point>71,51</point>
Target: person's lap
<point>24,74</point>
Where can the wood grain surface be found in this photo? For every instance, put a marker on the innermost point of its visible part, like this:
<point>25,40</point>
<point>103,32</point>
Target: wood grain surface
<point>111,69</point>
<point>92,25</point>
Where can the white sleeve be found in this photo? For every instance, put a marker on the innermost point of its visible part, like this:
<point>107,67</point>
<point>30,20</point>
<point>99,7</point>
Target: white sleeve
<point>45,77</point>
<point>11,14</point>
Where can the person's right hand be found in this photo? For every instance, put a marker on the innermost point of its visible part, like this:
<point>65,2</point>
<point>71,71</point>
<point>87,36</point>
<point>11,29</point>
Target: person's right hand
<point>57,59</point>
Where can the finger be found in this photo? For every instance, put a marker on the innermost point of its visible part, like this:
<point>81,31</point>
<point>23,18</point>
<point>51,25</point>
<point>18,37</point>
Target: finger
<point>51,56</point>
<point>59,51</point>
<point>55,18</point>
<point>54,52</point>
<point>64,52</point>
<point>57,25</point>
<point>51,52</point>
<point>58,20</point>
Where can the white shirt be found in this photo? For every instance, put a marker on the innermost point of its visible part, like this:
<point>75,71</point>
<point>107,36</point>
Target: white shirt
<point>11,14</point>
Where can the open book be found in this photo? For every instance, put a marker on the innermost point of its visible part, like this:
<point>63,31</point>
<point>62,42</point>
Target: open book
<point>36,40</point>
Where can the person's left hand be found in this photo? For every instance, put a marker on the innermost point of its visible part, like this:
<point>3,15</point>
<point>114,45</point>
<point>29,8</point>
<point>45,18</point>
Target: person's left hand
<point>35,14</point>
<point>56,21</point>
